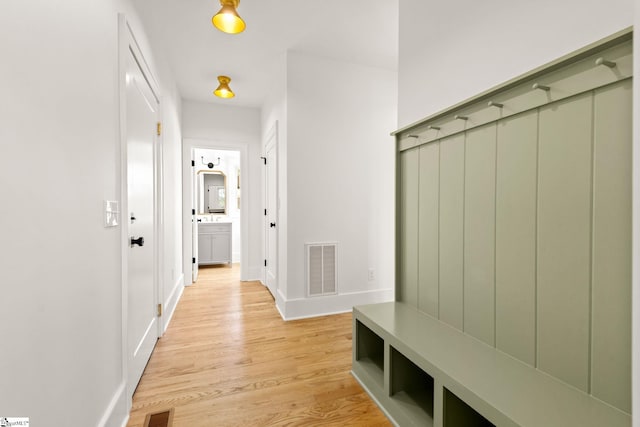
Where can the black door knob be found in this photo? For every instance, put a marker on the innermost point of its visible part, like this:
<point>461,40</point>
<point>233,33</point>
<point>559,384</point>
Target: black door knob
<point>139,241</point>
<point>273,224</point>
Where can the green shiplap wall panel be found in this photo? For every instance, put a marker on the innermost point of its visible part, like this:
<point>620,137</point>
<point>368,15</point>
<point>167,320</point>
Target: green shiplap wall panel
<point>451,229</point>
<point>516,187</point>
<point>611,342</point>
<point>429,209</point>
<point>408,287</point>
<point>479,233</point>
<point>564,239</point>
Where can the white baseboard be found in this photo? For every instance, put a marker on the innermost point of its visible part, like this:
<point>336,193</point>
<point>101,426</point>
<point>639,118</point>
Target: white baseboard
<point>255,273</point>
<point>280,303</point>
<point>331,304</point>
<point>171,302</point>
<point>116,414</point>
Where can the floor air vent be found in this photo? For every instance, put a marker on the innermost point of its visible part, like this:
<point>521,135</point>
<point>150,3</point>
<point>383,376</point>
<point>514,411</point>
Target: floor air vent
<point>321,269</point>
<point>159,419</point>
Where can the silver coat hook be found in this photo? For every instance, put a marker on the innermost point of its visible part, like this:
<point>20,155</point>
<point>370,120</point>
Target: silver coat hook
<point>495,104</point>
<point>602,61</point>
<point>541,87</point>
<point>458,117</point>
<point>433,127</point>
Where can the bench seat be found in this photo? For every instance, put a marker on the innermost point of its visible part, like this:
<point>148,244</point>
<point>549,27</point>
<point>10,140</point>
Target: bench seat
<point>424,372</point>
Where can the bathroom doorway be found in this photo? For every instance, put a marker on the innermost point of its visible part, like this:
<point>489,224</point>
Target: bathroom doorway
<point>214,220</point>
<point>217,200</point>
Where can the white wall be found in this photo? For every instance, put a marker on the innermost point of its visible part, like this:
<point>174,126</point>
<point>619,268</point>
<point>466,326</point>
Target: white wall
<point>340,179</point>
<point>61,315</point>
<point>219,126</point>
<point>172,279</point>
<point>450,51</point>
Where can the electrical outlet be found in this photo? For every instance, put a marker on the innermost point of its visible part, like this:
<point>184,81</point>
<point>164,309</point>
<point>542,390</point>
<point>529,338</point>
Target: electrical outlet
<point>372,275</point>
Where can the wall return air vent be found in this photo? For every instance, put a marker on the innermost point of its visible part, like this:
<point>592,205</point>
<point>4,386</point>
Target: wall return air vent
<point>321,268</point>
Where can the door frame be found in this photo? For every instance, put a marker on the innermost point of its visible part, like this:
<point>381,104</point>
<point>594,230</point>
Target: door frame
<point>188,145</point>
<point>126,41</point>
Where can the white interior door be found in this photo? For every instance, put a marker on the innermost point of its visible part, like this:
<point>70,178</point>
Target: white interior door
<point>194,222</point>
<point>271,224</point>
<point>141,136</point>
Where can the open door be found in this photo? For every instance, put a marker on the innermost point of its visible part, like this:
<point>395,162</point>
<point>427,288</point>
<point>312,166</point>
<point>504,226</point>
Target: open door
<point>194,220</point>
<point>271,214</point>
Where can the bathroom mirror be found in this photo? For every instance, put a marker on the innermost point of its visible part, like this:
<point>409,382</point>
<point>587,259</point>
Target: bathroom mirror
<point>212,192</point>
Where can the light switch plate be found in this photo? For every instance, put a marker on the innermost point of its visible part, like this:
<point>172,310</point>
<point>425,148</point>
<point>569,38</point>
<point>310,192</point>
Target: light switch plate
<point>111,213</point>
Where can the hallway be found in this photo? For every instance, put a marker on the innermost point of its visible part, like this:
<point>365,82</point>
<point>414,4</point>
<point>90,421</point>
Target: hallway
<point>228,359</point>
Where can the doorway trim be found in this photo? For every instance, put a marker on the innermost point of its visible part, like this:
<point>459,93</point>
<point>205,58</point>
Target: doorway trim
<point>188,144</point>
<point>126,41</point>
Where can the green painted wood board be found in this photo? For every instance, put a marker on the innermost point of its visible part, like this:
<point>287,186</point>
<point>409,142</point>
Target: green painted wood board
<point>429,220</point>
<point>516,197</point>
<point>564,240</point>
<point>409,172</point>
<point>479,233</point>
<point>611,308</point>
<point>451,265</point>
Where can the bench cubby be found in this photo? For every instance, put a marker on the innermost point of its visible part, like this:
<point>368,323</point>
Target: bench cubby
<point>370,353</point>
<point>457,413</point>
<point>411,387</point>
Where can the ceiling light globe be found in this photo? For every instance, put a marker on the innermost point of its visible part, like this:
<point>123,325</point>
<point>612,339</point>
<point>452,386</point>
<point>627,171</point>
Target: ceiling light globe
<point>223,93</point>
<point>223,90</point>
<point>227,19</point>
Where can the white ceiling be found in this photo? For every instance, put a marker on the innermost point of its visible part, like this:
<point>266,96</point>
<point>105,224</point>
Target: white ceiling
<point>358,31</point>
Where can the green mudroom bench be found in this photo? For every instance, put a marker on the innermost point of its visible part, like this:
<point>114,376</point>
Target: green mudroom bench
<point>424,372</point>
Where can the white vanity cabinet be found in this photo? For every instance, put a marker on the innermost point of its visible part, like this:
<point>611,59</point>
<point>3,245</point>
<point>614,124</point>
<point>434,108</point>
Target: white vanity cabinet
<point>214,243</point>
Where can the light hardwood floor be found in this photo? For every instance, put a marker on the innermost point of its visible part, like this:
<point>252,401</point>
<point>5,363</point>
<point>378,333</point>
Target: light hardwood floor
<point>228,359</point>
